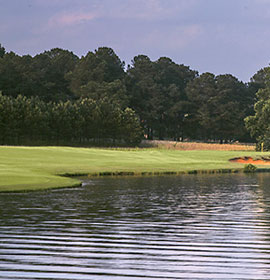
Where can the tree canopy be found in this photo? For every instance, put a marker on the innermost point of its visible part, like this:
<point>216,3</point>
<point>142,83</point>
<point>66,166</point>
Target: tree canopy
<point>93,94</point>
<point>259,123</point>
<point>219,105</point>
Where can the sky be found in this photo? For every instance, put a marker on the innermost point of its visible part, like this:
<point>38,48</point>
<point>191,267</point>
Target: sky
<point>217,36</point>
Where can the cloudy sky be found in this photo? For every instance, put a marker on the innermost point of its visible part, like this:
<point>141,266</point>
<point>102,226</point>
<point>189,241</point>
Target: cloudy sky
<point>217,36</point>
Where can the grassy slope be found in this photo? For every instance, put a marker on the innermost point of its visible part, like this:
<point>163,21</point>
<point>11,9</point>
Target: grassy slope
<point>26,168</point>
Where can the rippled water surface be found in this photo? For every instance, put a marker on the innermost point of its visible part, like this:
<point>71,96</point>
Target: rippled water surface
<point>186,227</point>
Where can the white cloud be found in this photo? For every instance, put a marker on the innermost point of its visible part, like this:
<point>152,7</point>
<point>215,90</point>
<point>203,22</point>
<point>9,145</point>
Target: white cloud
<point>71,18</point>
<point>150,10</point>
<point>154,9</point>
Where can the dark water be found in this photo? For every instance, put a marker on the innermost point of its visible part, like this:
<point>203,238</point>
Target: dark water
<point>187,227</point>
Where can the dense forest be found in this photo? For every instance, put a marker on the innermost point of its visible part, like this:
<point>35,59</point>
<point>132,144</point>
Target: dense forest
<point>58,98</point>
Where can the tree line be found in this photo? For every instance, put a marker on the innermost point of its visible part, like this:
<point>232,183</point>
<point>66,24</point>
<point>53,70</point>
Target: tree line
<point>32,121</point>
<point>258,124</point>
<point>56,96</point>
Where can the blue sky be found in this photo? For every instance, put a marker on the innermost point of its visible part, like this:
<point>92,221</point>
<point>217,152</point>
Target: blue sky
<point>217,36</point>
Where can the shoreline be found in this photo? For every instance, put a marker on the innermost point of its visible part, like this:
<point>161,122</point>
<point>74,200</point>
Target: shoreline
<point>41,168</point>
<point>133,174</point>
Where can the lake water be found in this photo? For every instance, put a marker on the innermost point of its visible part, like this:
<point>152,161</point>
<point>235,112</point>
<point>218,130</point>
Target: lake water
<point>185,227</point>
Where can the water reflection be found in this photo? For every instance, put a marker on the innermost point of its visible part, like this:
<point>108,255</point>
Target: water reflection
<point>186,227</point>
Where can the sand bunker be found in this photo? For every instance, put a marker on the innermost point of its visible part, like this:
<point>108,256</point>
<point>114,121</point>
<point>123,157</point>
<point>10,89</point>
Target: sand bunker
<point>246,160</point>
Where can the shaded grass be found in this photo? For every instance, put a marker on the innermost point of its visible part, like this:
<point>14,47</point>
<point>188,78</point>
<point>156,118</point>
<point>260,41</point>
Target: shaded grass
<point>31,168</point>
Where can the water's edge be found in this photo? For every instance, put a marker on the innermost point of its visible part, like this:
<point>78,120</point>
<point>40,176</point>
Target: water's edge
<point>116,174</point>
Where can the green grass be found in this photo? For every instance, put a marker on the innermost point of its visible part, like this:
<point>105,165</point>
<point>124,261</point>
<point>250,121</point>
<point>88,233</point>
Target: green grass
<point>32,168</point>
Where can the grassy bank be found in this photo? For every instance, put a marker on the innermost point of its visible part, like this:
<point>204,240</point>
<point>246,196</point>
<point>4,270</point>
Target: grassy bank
<point>32,168</point>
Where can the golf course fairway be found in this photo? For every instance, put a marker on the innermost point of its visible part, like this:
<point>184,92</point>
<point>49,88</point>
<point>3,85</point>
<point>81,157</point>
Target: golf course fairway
<point>34,168</point>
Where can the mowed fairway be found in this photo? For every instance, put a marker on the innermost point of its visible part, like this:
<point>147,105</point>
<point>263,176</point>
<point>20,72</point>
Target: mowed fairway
<point>32,168</point>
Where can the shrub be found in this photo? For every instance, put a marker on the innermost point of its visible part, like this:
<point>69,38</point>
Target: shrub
<point>250,168</point>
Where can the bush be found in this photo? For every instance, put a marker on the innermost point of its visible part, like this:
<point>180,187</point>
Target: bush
<point>266,143</point>
<point>250,168</point>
